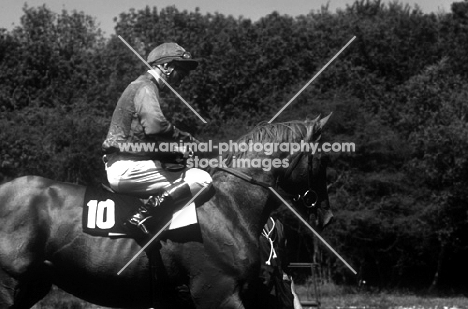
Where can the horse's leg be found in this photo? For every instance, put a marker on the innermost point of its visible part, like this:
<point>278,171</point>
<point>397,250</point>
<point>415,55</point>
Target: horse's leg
<point>232,301</point>
<point>7,290</point>
<point>212,293</point>
<point>32,288</point>
<point>24,292</point>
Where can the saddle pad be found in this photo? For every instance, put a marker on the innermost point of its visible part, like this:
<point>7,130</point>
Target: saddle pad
<point>105,212</point>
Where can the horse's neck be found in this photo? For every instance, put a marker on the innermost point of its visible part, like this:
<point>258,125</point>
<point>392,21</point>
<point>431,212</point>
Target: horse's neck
<point>247,202</point>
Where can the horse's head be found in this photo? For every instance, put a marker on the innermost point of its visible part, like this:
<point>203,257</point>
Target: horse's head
<point>305,178</point>
<point>299,171</point>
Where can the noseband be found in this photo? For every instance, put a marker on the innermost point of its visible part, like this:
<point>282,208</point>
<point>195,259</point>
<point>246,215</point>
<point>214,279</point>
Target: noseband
<point>309,198</point>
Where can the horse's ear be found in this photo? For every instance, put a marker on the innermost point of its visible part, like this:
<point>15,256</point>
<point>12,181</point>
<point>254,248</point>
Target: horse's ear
<point>318,127</point>
<point>324,120</point>
<point>309,120</point>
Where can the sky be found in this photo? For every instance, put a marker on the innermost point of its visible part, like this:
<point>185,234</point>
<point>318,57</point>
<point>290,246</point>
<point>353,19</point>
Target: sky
<point>105,10</point>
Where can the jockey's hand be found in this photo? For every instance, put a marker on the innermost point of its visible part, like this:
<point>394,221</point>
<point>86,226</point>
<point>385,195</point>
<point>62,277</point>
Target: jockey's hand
<point>183,153</point>
<point>183,150</point>
<point>186,137</point>
<point>194,140</point>
<point>188,153</point>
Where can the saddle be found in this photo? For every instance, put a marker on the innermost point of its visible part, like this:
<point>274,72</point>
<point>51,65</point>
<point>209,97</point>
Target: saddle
<point>105,212</point>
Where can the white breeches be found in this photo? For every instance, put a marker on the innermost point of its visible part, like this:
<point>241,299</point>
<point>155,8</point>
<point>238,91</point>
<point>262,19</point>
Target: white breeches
<point>147,177</point>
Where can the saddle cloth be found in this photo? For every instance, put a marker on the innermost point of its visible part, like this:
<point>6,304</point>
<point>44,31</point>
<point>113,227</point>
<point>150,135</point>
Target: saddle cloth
<point>105,212</point>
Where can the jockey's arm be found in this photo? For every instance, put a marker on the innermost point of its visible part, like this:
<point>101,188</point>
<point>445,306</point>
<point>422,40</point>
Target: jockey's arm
<point>155,125</point>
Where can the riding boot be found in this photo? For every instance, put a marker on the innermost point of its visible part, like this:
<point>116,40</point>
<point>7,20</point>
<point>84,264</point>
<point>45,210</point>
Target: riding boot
<point>175,194</point>
<point>137,219</point>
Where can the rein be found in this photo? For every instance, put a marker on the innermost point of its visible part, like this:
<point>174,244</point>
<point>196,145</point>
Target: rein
<point>262,184</point>
<point>244,176</point>
<point>309,198</point>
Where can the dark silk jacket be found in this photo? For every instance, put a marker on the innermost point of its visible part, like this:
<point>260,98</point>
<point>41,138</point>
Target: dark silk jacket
<point>137,119</point>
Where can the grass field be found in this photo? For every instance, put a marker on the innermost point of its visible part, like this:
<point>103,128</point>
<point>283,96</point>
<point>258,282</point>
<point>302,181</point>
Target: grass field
<point>332,298</point>
<point>335,297</point>
<point>393,301</point>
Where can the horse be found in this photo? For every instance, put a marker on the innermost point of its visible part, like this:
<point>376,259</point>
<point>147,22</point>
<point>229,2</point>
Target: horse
<point>42,242</point>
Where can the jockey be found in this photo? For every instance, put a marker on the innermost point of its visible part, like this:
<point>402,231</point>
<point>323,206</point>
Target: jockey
<point>138,119</point>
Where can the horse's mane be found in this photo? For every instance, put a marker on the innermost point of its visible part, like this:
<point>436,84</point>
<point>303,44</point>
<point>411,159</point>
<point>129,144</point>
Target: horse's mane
<point>285,132</point>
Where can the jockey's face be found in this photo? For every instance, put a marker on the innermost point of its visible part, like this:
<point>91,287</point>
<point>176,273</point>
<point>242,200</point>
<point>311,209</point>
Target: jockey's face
<point>177,75</point>
<point>172,74</point>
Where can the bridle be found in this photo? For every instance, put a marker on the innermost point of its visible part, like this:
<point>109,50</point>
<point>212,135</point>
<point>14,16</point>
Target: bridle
<point>308,199</point>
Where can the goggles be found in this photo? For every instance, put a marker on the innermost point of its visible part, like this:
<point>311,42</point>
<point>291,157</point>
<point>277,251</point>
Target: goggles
<point>186,55</point>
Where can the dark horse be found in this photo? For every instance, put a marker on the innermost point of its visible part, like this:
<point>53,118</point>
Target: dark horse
<point>42,242</point>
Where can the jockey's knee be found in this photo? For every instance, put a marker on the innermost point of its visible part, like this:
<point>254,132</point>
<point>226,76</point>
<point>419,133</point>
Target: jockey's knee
<point>197,179</point>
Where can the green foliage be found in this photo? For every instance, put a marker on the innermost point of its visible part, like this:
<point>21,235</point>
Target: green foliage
<point>52,142</point>
<point>399,92</point>
<point>48,64</point>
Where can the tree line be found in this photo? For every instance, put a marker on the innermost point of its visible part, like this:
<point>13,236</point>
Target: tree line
<point>399,92</point>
